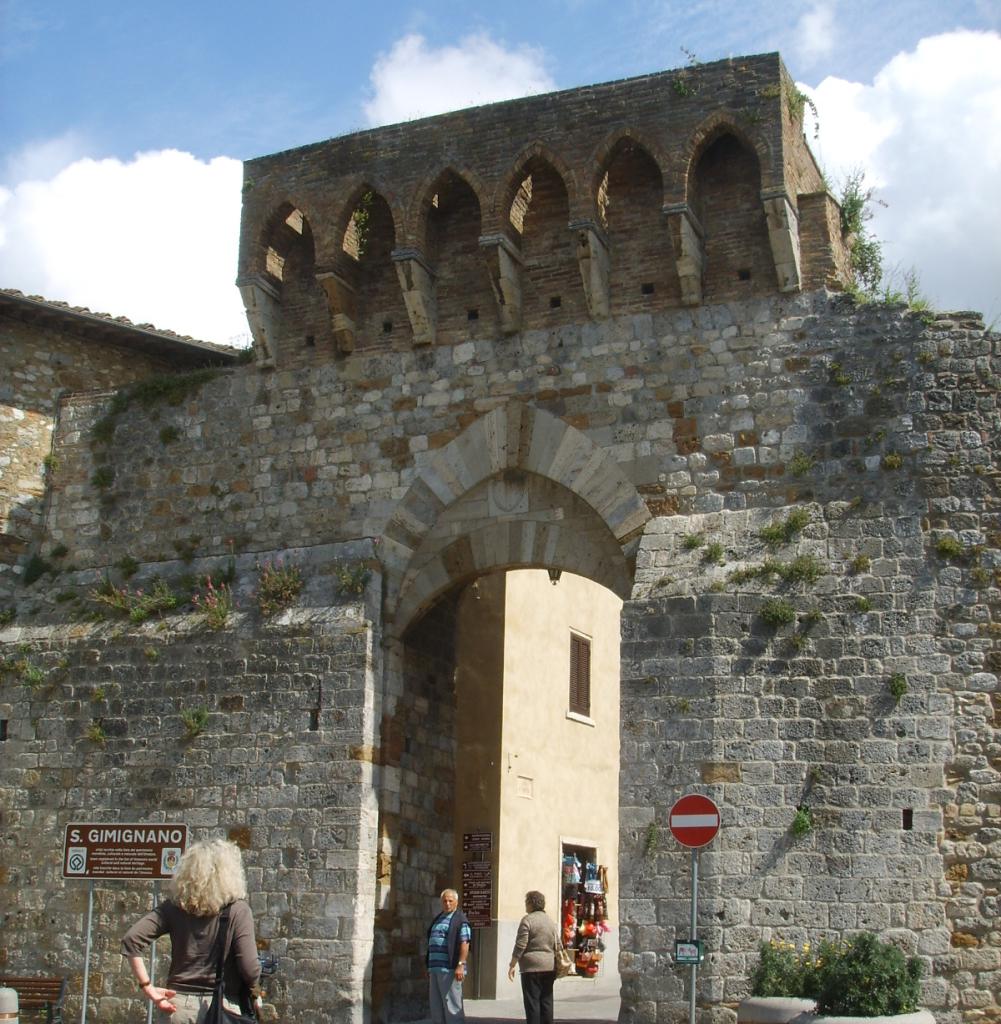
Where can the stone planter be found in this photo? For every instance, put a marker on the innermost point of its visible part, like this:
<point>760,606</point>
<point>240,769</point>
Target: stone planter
<point>773,1010</point>
<point>780,1010</point>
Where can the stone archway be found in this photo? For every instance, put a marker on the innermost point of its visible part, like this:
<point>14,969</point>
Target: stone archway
<point>519,488</point>
<point>517,446</point>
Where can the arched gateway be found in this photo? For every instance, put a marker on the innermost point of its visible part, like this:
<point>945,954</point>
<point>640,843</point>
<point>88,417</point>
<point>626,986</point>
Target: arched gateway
<point>528,335</point>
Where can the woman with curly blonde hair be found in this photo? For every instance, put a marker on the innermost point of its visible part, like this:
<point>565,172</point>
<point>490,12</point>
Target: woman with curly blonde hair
<point>209,880</point>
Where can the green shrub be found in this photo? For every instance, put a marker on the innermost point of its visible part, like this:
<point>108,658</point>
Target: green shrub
<point>860,564</point>
<point>862,977</point>
<point>801,464</point>
<point>949,547</point>
<point>866,978</point>
<point>892,460</point>
<point>803,569</point>
<point>692,541</point>
<point>32,676</point>
<point>862,604</point>
<point>194,721</point>
<point>103,478</point>
<point>897,685</point>
<point>353,577</point>
<point>776,611</point>
<point>137,605</point>
<point>785,530</point>
<point>95,733</point>
<point>781,971</point>
<point>650,840</point>
<point>802,822</point>
<point>714,553</point>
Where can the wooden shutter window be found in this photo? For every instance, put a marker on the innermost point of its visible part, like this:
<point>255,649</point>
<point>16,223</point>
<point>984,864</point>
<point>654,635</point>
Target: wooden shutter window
<point>580,675</point>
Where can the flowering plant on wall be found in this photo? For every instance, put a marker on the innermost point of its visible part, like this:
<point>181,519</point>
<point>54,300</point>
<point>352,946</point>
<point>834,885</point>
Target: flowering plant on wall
<point>278,586</point>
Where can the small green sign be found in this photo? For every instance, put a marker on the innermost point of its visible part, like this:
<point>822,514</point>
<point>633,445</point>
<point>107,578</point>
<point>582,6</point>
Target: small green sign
<point>688,951</point>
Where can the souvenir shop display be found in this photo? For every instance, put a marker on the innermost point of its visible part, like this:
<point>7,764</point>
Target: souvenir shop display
<point>584,913</point>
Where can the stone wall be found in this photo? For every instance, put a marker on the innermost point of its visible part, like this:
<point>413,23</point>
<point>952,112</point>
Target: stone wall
<point>280,768</point>
<point>878,423</point>
<point>700,410</point>
<point>38,364</point>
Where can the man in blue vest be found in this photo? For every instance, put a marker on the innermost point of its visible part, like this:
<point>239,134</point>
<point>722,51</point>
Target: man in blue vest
<point>447,951</point>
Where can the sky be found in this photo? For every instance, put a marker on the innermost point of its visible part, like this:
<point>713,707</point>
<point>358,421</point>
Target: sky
<point>122,125</point>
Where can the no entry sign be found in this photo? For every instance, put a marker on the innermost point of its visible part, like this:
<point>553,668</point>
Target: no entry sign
<point>694,820</point>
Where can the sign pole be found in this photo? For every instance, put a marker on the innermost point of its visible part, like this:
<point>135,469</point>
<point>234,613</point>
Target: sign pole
<point>694,821</point>
<point>152,954</point>
<point>86,955</point>
<point>694,932</point>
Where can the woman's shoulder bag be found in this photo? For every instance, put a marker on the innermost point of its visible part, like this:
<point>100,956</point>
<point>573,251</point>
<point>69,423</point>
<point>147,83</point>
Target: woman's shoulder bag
<point>218,1013</point>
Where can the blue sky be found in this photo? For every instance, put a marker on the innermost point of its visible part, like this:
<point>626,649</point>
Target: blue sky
<point>911,89</point>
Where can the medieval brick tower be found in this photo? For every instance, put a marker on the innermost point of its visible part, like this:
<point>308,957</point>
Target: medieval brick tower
<point>601,332</point>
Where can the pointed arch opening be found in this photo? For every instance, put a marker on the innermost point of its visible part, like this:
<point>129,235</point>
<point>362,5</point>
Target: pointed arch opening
<point>725,194</point>
<point>629,200</point>
<point>367,243</point>
<point>290,269</point>
<point>537,214</point>
<point>452,231</point>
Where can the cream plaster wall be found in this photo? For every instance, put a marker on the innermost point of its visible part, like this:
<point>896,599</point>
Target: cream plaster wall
<point>525,770</point>
<point>559,776</point>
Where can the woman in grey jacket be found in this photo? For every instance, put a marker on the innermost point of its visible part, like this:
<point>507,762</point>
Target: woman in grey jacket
<point>535,952</point>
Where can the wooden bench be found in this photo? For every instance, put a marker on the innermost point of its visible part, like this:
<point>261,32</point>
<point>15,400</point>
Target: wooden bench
<point>37,994</point>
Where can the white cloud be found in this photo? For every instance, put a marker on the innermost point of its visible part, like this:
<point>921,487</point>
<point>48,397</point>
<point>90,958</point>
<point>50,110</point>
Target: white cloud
<point>815,34</point>
<point>416,80</point>
<point>154,239</point>
<point>928,132</point>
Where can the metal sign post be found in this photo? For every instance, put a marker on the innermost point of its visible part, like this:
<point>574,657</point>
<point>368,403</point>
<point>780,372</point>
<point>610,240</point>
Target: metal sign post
<point>152,954</point>
<point>693,932</point>
<point>86,955</point>
<point>694,821</point>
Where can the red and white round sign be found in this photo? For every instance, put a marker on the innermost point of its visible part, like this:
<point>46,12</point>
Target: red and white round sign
<point>694,820</point>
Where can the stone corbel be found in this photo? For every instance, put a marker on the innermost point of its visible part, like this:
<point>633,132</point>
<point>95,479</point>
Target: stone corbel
<point>342,303</point>
<point>504,265</point>
<point>783,234</point>
<point>262,302</point>
<point>417,282</point>
<point>689,251</point>
<point>593,260</point>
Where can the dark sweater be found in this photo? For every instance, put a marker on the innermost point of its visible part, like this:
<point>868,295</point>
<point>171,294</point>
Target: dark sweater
<point>193,950</point>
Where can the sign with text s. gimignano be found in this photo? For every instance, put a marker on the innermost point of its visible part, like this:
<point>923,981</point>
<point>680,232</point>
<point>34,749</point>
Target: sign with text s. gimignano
<point>108,850</point>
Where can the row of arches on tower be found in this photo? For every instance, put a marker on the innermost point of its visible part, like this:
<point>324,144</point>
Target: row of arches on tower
<point>462,259</point>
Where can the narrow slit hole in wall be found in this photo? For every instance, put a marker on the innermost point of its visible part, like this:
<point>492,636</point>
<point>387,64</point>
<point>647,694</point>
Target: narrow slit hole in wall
<point>646,289</point>
<point>907,818</point>
<point>555,302</point>
<point>310,341</point>
<point>387,326</point>
<point>3,729</point>
<point>473,314</point>
<point>743,275</point>
<point>314,720</point>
